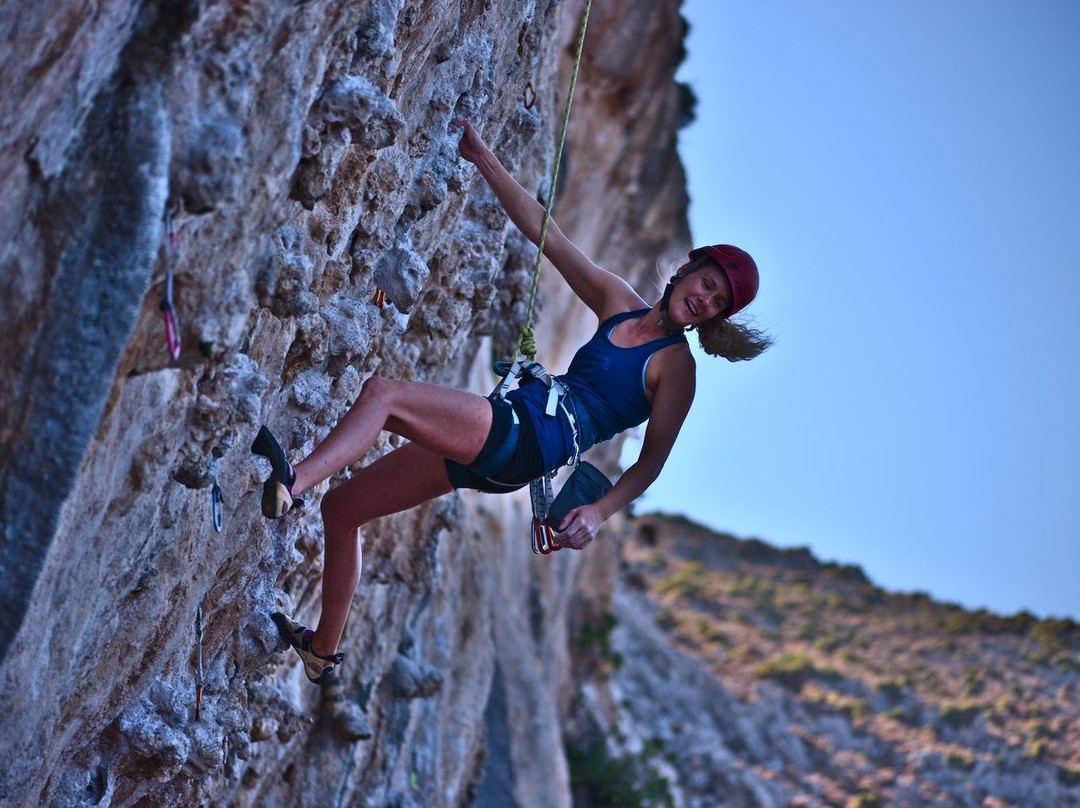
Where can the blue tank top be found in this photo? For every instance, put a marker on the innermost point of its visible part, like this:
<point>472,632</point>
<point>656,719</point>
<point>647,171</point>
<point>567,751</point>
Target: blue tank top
<point>607,386</point>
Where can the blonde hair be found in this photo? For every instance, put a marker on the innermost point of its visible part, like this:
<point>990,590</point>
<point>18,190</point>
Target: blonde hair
<point>734,341</point>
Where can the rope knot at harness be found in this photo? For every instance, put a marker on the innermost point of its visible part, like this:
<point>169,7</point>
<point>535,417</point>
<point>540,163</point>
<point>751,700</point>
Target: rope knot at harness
<point>528,341</point>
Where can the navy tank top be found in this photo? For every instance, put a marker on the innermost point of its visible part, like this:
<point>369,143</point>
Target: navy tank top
<point>607,386</point>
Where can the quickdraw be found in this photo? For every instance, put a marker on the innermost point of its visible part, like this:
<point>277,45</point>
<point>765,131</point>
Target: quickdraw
<point>380,298</point>
<point>198,663</point>
<point>168,311</point>
<point>543,537</point>
<point>217,506</point>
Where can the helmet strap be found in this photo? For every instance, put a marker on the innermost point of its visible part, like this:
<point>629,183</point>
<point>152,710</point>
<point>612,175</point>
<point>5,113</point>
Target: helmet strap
<point>664,320</point>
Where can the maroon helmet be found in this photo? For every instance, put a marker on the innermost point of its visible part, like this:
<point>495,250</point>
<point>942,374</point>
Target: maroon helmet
<point>738,267</point>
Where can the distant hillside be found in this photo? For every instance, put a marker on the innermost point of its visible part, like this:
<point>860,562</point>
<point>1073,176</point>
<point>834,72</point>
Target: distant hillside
<point>741,674</point>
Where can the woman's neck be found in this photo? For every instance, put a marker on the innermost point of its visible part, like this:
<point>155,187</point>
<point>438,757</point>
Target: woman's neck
<point>647,327</point>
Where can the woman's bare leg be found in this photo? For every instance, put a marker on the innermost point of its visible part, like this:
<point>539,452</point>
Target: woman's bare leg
<point>447,422</point>
<point>395,482</point>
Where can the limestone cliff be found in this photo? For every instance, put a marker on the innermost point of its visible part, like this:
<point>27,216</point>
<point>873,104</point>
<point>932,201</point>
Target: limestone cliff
<point>303,148</point>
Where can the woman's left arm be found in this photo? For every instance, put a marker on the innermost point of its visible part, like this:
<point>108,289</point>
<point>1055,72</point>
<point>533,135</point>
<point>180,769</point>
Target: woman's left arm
<point>671,403</point>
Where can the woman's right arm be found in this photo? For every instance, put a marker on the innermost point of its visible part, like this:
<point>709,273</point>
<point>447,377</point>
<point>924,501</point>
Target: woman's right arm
<point>598,289</point>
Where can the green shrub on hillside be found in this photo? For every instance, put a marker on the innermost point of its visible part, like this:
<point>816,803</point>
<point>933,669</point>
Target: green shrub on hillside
<point>601,780</point>
<point>902,715</point>
<point>974,680</point>
<point>1038,749</point>
<point>962,760</point>
<point>850,573</point>
<point>893,690</point>
<point>828,643</point>
<point>657,559</point>
<point>665,619</point>
<point>690,581</point>
<point>596,639</point>
<point>792,669</point>
<point>1068,776</point>
<point>719,637</point>
<point>960,714</point>
<point>1051,635</point>
<point>865,799</point>
<point>852,707</point>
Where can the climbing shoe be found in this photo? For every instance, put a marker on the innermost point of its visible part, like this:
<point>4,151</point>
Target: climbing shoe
<point>277,498</point>
<point>319,669</point>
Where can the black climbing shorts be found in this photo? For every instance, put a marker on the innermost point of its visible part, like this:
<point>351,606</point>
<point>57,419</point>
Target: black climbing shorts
<point>510,458</point>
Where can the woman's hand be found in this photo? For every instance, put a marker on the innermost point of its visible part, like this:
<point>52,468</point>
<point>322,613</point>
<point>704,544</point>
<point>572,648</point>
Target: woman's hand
<point>579,527</point>
<point>472,146</point>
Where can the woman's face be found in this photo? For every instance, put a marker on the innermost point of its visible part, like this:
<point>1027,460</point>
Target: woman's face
<point>699,296</point>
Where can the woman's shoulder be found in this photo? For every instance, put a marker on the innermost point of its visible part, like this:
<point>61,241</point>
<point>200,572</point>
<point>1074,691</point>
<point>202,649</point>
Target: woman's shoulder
<point>621,299</point>
<point>671,365</point>
<point>677,357</point>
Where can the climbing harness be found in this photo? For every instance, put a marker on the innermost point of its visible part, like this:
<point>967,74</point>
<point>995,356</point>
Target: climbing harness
<point>198,663</point>
<point>525,367</point>
<point>528,371</point>
<point>217,505</point>
<point>168,312</point>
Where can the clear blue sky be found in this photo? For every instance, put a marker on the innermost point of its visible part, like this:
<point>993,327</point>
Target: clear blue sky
<point>907,176</point>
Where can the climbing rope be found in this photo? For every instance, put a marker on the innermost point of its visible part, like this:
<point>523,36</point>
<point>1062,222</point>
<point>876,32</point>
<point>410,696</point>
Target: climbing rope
<point>526,343</point>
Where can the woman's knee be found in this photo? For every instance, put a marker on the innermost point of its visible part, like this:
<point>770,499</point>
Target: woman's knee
<point>336,514</point>
<point>377,389</point>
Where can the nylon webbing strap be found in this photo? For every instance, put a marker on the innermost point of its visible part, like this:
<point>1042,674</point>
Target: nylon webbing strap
<point>540,494</point>
<point>527,341</point>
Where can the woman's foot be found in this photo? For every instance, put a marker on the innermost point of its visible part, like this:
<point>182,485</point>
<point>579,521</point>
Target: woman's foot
<point>319,669</point>
<point>277,498</point>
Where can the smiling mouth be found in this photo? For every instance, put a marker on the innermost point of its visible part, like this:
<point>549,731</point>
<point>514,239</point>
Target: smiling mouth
<point>691,309</point>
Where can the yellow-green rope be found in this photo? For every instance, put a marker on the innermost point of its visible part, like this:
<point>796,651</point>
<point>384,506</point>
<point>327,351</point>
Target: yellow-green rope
<point>527,341</point>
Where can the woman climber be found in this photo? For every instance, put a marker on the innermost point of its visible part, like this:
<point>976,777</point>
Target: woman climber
<point>637,366</point>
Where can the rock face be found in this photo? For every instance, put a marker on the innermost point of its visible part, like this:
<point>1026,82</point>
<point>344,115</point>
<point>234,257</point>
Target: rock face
<point>278,161</point>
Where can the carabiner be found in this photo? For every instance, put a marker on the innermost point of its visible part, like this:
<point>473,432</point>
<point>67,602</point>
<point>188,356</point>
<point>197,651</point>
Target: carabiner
<point>543,538</point>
